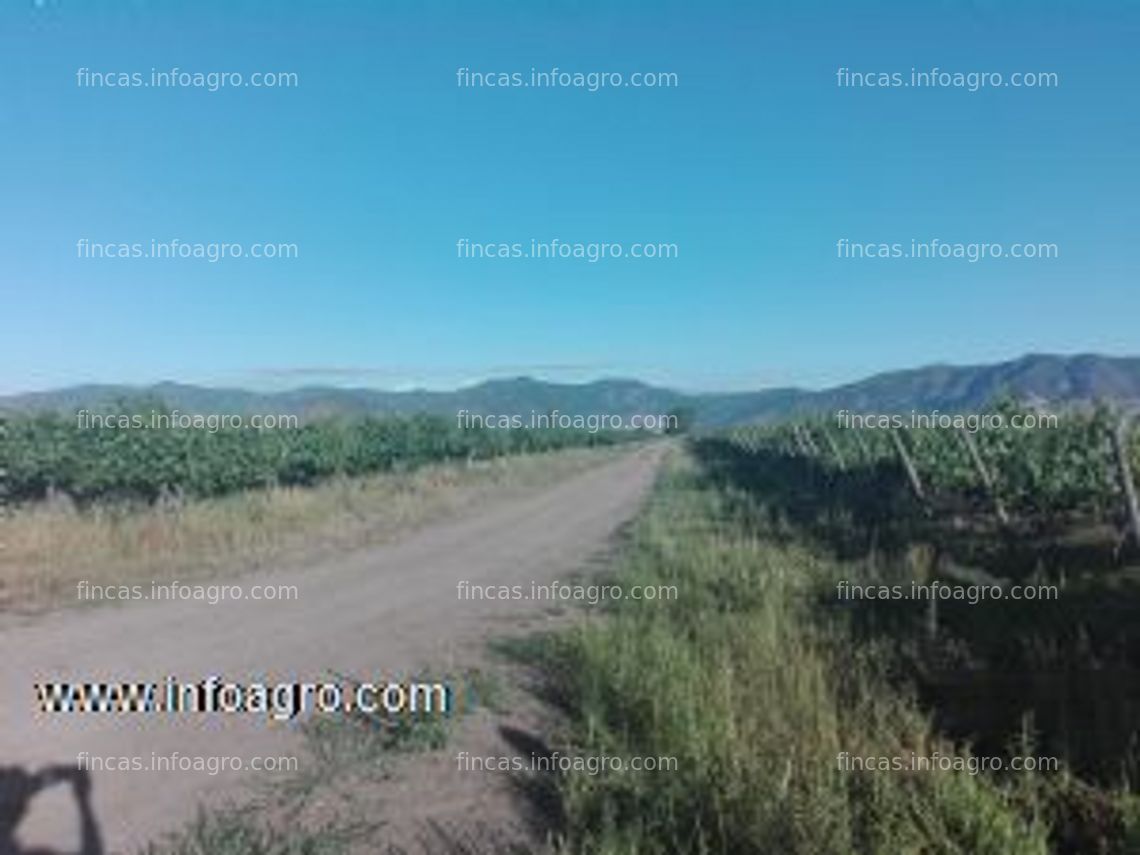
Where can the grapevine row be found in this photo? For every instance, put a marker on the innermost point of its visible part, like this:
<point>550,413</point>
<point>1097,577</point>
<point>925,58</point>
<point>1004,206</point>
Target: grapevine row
<point>1080,468</point>
<point>50,454</point>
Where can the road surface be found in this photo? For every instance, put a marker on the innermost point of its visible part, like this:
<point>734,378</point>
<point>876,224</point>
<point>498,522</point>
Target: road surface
<point>371,614</point>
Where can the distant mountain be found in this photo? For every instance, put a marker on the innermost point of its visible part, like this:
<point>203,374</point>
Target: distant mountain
<point>1056,380</point>
<point>1060,380</point>
<point>520,395</point>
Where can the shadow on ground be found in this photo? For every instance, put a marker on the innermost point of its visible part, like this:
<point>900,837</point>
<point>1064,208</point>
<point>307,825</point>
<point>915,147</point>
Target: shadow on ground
<point>18,787</point>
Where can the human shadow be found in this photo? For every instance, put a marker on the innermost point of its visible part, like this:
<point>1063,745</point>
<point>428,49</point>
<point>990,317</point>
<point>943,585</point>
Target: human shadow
<point>17,789</point>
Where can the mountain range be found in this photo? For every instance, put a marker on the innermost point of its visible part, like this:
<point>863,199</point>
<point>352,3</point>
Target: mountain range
<point>1040,378</point>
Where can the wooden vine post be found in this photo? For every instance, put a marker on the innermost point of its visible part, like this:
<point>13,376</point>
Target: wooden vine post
<point>986,476</point>
<point>1124,467</point>
<point>908,465</point>
<point>927,565</point>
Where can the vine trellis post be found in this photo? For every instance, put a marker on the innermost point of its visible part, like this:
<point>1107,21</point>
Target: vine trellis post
<point>1124,468</point>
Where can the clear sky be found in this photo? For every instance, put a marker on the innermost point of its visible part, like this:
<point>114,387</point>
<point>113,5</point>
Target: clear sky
<point>755,164</point>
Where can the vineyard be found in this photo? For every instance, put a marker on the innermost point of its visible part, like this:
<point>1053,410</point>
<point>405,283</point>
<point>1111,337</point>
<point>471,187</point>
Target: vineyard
<point>50,455</point>
<point>1076,474</point>
<point>1053,506</point>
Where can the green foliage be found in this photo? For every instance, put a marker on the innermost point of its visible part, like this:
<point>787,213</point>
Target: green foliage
<point>1056,470</point>
<point>49,454</point>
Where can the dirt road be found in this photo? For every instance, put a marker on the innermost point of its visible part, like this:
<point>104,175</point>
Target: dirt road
<point>371,614</point>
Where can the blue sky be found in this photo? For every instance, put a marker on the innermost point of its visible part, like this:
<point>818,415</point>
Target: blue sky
<point>377,163</point>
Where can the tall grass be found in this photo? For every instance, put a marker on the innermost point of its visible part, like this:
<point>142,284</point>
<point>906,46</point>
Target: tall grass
<point>755,695</point>
<point>49,547</point>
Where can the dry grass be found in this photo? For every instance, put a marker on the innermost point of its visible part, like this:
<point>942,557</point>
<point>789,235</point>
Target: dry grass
<point>47,548</point>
